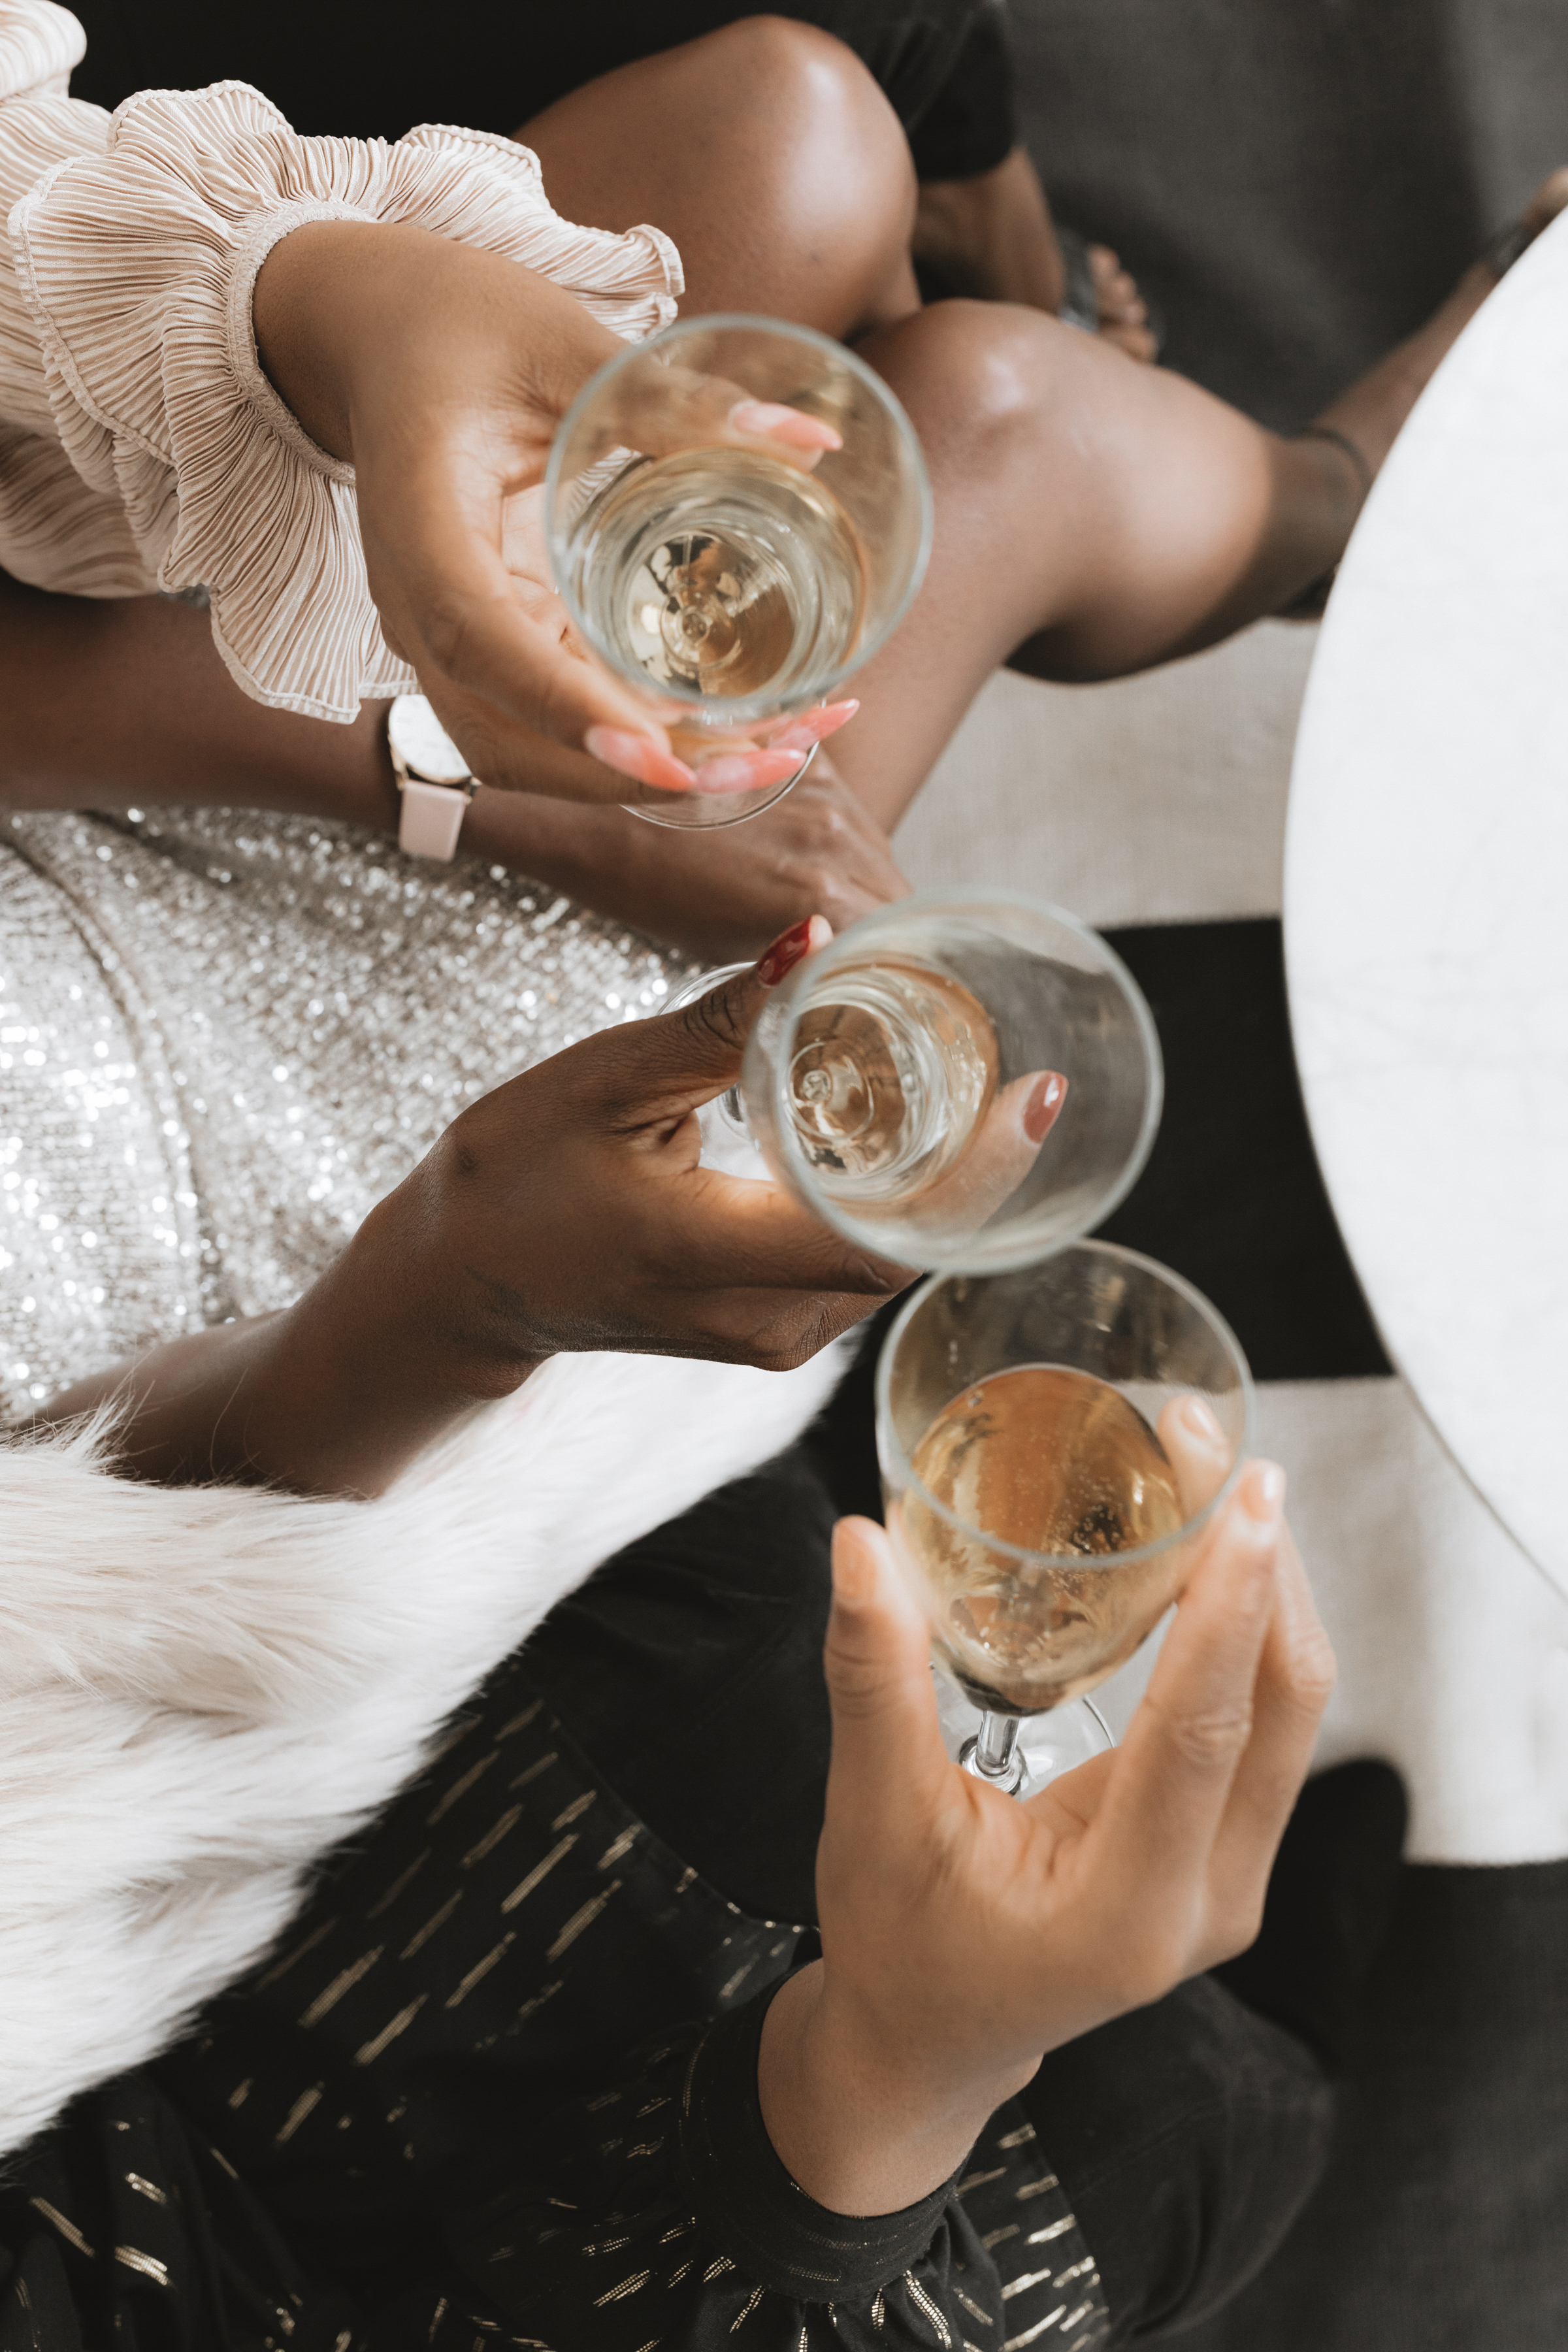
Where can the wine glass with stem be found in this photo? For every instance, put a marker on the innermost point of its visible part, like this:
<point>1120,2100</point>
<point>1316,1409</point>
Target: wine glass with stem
<point>960,1079</point>
<point>735,588</point>
<point>1053,1441</point>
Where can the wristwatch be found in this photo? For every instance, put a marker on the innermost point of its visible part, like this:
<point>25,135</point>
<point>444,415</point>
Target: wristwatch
<point>433,777</point>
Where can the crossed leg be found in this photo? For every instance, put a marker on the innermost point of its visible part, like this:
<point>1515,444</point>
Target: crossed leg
<point>1094,518</point>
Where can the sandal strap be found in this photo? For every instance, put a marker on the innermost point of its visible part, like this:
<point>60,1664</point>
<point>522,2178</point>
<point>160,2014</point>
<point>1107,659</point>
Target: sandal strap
<point>1080,297</point>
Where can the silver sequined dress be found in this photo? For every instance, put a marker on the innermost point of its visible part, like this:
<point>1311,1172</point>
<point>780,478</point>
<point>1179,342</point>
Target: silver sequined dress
<point>224,1037</point>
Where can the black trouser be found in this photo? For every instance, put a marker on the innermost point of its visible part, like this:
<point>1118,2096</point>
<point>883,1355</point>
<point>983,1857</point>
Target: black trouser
<point>343,68</point>
<point>1189,2134</point>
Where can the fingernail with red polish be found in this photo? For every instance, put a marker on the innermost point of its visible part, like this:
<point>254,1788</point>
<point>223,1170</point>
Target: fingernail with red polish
<point>813,727</point>
<point>1044,1106</point>
<point>790,425</point>
<point>635,756</point>
<point>785,952</point>
<point>746,771</point>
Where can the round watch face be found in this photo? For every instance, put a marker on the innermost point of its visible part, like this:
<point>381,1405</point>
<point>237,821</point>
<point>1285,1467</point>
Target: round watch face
<point>418,738</point>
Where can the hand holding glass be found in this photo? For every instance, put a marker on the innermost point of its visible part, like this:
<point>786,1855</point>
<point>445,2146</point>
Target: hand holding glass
<point>736,576</point>
<point>1045,1476</point>
<point>960,1079</point>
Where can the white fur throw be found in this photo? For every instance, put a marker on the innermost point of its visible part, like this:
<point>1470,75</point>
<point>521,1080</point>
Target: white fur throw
<point>201,1689</point>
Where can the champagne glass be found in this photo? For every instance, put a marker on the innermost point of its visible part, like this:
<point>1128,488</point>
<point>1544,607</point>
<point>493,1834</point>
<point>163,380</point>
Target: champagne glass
<point>728,581</point>
<point>1040,1497</point>
<point>961,1079</point>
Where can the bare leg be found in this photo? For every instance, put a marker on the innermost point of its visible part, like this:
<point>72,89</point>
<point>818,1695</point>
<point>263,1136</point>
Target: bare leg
<point>1094,519</point>
<point>769,154</point>
<point>993,236</point>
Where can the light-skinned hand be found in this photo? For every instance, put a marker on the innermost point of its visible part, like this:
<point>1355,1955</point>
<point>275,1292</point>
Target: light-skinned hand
<point>442,372</point>
<point>965,1934</point>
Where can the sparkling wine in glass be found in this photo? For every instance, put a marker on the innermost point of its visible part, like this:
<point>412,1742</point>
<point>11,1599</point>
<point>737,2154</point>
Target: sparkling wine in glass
<point>1040,1495</point>
<point>727,583</point>
<point>959,1080</point>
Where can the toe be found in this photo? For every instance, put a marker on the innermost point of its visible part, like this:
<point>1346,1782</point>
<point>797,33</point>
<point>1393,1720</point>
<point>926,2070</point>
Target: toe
<point>1123,313</point>
<point>1137,341</point>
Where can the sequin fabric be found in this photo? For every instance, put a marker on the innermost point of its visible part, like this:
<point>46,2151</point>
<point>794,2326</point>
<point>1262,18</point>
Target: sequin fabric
<point>224,1037</point>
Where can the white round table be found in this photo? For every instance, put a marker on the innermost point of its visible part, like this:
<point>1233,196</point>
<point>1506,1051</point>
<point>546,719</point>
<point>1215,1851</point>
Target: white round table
<point>1426,902</point>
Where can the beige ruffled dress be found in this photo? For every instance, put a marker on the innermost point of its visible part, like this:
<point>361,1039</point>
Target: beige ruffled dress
<point>141,445</point>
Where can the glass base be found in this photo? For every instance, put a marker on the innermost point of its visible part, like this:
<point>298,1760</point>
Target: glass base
<point>1045,1746</point>
<point>705,812</point>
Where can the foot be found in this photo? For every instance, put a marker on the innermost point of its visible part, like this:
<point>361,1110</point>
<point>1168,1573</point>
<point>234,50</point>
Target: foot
<point>1372,411</point>
<point>1123,313</point>
<point>1337,458</point>
<point>992,237</point>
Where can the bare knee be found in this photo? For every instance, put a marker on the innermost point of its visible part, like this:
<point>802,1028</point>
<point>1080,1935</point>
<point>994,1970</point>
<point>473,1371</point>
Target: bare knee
<point>982,379</point>
<point>768,153</point>
<point>832,168</point>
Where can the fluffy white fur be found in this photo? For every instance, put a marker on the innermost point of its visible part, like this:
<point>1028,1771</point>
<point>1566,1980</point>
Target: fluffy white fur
<point>203,1689</point>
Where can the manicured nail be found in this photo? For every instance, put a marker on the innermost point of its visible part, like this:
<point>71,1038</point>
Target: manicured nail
<point>634,755</point>
<point>1043,1109</point>
<point>813,727</point>
<point>790,425</point>
<point>745,772</point>
<point>1263,1493</point>
<point>1199,1417</point>
<point>854,1565</point>
<point>785,952</point>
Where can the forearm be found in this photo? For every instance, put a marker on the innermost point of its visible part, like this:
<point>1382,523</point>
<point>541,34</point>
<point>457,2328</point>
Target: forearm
<point>335,1396</point>
<point>109,702</point>
<point>113,702</point>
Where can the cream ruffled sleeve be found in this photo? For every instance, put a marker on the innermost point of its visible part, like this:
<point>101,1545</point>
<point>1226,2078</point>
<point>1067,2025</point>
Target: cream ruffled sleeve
<point>140,444</point>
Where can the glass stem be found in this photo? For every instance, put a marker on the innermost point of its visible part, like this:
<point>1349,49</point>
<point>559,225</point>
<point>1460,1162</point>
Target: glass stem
<point>994,1745</point>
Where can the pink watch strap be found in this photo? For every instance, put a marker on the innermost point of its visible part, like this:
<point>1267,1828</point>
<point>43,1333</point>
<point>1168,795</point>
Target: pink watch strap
<point>431,820</point>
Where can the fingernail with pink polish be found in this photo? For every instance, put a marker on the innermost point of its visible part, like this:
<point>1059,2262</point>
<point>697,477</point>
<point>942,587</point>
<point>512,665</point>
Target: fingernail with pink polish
<point>1198,1417</point>
<point>1043,1109</point>
<point>790,425</point>
<point>635,756</point>
<point>1263,1492</point>
<point>746,771</point>
<point>813,727</point>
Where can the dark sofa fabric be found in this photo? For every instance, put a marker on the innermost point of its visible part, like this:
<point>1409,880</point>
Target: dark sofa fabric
<point>1297,181</point>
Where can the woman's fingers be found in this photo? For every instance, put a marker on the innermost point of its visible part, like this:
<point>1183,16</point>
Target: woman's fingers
<point>811,726</point>
<point>888,1761</point>
<point>489,665</point>
<point>1295,1683</point>
<point>661,410</point>
<point>1198,1450</point>
<point>683,1059</point>
<point>751,1238</point>
<point>1164,1810</point>
<point>1002,1152</point>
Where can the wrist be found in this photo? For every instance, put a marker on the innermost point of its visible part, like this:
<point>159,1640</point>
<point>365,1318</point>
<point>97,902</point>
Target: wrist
<point>422,1301</point>
<point>369,1369</point>
<point>306,315</point>
<point>860,2118</point>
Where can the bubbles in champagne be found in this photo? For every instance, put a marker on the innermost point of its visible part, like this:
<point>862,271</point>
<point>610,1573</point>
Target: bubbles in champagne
<point>724,572</point>
<point>1058,1463</point>
<point>894,1068</point>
